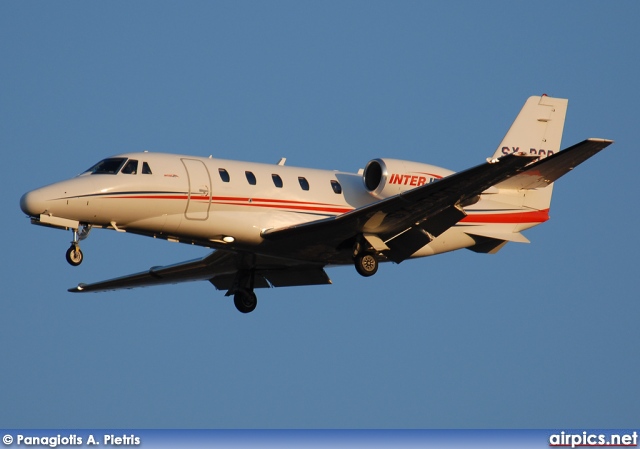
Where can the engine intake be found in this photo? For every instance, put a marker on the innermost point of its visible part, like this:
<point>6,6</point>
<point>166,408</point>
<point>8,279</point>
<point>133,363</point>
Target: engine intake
<point>387,177</point>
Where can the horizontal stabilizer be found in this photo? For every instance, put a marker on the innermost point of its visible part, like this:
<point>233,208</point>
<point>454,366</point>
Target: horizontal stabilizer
<point>486,245</point>
<point>490,242</point>
<point>506,236</point>
<point>545,171</point>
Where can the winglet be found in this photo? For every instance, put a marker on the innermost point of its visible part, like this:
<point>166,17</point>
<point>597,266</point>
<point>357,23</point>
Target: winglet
<point>77,289</point>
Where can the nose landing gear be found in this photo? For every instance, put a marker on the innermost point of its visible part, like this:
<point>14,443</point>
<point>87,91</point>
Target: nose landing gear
<point>74,253</point>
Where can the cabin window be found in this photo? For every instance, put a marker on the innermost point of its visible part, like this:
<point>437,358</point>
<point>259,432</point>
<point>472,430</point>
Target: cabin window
<point>304,184</point>
<point>224,175</point>
<point>337,188</point>
<point>146,170</point>
<point>277,180</point>
<point>109,166</point>
<point>130,168</point>
<point>251,178</point>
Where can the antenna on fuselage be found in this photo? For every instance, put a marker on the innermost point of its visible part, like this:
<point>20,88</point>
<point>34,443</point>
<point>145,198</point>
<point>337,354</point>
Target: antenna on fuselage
<point>282,161</point>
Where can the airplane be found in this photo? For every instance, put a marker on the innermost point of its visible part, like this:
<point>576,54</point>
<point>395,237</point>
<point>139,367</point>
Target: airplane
<point>273,225</point>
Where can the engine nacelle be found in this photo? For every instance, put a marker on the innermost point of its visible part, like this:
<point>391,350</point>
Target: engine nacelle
<point>387,177</point>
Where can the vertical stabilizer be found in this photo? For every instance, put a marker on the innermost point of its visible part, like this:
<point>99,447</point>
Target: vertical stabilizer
<point>537,129</point>
<point>511,207</point>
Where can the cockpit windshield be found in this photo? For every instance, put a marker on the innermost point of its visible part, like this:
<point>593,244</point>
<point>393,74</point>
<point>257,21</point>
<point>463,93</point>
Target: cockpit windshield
<point>109,166</point>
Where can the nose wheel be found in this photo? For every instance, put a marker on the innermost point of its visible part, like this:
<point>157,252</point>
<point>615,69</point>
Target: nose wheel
<point>74,255</point>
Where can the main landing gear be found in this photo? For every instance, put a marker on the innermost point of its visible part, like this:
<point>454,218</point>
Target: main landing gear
<point>364,258</point>
<point>74,253</point>
<point>366,264</point>
<point>245,300</point>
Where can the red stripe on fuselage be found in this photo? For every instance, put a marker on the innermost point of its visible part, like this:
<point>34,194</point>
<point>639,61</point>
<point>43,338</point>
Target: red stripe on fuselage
<point>536,216</point>
<point>255,202</point>
<point>338,210</point>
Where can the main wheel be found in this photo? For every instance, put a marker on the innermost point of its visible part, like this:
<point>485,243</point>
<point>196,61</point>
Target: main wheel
<point>74,255</point>
<point>366,264</point>
<point>245,301</point>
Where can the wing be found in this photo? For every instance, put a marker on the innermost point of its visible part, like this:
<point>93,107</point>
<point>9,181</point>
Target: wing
<point>549,169</point>
<point>400,225</point>
<point>224,269</point>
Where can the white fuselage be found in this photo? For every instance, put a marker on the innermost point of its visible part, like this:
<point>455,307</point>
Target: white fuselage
<point>224,203</point>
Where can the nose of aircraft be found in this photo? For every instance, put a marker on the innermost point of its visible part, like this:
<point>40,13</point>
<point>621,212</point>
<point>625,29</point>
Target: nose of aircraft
<point>33,203</point>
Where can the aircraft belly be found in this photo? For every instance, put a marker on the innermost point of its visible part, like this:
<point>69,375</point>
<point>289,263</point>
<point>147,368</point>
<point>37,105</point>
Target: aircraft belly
<point>171,223</point>
<point>149,225</point>
<point>244,227</point>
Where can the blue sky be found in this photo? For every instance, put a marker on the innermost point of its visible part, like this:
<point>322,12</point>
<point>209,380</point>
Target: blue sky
<point>537,336</point>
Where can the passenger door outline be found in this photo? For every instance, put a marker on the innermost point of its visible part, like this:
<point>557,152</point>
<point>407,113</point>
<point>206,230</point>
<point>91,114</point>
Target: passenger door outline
<point>199,196</point>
